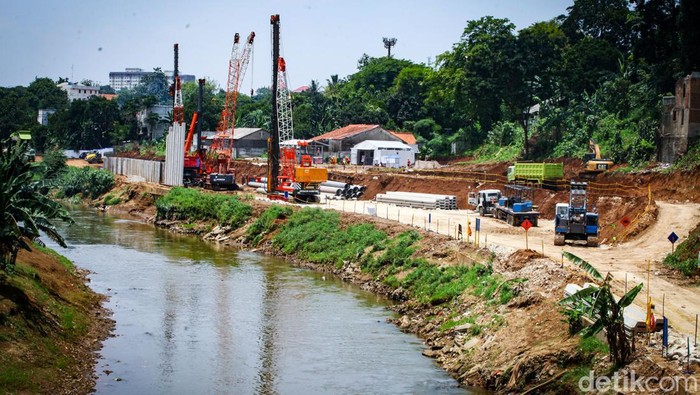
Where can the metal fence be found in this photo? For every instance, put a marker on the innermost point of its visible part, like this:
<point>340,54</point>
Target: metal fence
<point>149,170</point>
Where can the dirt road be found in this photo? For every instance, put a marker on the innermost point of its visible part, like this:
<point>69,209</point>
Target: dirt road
<point>625,261</point>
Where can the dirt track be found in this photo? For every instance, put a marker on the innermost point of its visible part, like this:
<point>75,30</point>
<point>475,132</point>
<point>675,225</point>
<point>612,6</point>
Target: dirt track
<point>624,260</point>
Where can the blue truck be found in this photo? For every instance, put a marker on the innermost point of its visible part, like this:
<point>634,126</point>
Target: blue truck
<point>573,221</point>
<point>516,206</point>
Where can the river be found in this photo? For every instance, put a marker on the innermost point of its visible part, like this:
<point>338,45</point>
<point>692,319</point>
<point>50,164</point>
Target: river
<point>193,318</point>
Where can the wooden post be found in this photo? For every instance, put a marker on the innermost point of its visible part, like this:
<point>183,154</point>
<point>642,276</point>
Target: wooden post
<point>526,245</point>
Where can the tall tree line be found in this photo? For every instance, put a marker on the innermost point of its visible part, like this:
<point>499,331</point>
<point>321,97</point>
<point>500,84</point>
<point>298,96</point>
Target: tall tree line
<point>597,72</point>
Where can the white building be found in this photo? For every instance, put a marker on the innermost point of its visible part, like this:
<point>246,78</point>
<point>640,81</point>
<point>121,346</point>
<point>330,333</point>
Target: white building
<point>43,116</point>
<point>77,91</point>
<point>131,77</point>
<point>154,126</point>
<point>383,153</point>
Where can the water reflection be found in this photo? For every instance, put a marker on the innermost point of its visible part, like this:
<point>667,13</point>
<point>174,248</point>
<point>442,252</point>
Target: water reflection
<point>192,318</point>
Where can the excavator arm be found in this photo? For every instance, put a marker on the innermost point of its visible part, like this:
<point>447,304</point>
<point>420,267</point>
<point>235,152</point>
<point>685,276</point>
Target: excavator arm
<point>595,149</point>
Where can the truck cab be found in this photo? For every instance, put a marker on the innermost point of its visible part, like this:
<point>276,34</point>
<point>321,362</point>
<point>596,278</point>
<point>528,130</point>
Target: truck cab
<point>486,201</point>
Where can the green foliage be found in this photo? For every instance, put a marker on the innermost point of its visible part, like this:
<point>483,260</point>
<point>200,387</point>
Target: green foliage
<point>190,204</point>
<point>88,182</point>
<point>85,124</point>
<point>449,324</point>
<point>314,234</point>
<point>436,285</point>
<point>265,223</point>
<point>53,163</point>
<point>111,200</point>
<point>685,256</point>
<point>591,345</point>
<point>606,311</point>
<point>689,161</point>
<point>24,210</point>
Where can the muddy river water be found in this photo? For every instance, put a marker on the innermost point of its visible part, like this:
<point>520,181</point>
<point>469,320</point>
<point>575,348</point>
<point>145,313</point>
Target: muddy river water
<point>192,318</point>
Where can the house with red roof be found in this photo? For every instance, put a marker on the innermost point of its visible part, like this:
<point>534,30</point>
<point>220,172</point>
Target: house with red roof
<point>349,140</point>
<point>342,140</point>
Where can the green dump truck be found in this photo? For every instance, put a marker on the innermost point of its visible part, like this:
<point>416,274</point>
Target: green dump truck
<point>540,173</point>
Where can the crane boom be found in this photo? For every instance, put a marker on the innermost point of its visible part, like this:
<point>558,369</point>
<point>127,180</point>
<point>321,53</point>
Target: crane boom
<point>284,103</point>
<point>221,151</point>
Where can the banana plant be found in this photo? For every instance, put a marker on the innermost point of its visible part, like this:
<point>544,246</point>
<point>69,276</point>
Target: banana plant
<point>24,210</point>
<point>604,309</point>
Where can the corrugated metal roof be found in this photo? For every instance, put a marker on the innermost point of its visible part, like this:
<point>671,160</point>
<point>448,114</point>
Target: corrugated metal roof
<point>345,132</point>
<point>238,133</point>
<point>406,137</point>
<point>380,144</point>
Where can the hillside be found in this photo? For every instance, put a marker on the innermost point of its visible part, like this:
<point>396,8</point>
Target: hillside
<point>51,326</point>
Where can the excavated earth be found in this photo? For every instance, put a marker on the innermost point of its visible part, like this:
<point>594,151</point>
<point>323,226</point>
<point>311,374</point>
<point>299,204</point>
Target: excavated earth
<point>523,345</point>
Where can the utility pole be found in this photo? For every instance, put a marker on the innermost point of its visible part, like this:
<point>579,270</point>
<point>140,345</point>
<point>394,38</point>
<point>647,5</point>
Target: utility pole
<point>388,43</point>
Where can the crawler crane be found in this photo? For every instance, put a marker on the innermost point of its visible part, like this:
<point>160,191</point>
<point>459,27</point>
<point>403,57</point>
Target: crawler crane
<point>220,173</point>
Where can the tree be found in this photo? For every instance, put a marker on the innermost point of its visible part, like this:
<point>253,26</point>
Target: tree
<point>689,33</point>
<point>211,105</point>
<point>585,64</point>
<point>477,77</point>
<point>154,84</point>
<point>46,94</point>
<point>15,110</point>
<point>85,124</point>
<point>539,51</point>
<point>599,303</point>
<point>23,209</point>
<point>605,20</point>
<point>407,95</point>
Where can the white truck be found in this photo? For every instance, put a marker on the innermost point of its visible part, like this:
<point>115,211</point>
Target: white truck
<point>484,201</point>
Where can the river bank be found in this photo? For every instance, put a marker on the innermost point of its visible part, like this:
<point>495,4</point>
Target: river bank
<point>505,335</point>
<point>51,326</point>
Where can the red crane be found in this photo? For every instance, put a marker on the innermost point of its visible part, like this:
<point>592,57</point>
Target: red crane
<point>221,151</point>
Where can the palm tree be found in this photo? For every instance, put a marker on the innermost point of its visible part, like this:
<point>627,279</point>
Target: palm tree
<point>599,303</point>
<point>24,211</point>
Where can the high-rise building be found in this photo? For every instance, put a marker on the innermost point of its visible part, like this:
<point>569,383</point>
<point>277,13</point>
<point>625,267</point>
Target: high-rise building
<point>131,77</point>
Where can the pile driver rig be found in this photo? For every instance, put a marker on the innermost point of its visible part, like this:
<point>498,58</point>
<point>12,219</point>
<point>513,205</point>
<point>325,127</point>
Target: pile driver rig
<point>288,178</point>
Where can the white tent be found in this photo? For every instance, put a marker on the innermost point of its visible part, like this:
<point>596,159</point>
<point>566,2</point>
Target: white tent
<point>385,153</point>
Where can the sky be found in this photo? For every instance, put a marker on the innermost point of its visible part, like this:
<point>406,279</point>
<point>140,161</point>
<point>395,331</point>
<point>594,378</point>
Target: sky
<point>87,39</point>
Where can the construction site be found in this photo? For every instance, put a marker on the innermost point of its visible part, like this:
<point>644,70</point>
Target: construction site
<point>528,215</point>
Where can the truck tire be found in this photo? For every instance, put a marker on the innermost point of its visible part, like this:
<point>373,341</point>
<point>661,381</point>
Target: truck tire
<point>511,220</point>
<point>481,211</point>
<point>559,239</point>
<point>534,221</point>
<point>592,241</point>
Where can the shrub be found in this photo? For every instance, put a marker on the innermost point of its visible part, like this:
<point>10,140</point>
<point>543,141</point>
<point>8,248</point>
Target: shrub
<point>265,223</point>
<point>89,182</point>
<point>315,235</point>
<point>184,203</point>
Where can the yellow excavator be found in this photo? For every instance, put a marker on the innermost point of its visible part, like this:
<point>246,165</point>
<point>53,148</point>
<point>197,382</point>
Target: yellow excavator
<point>593,163</point>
